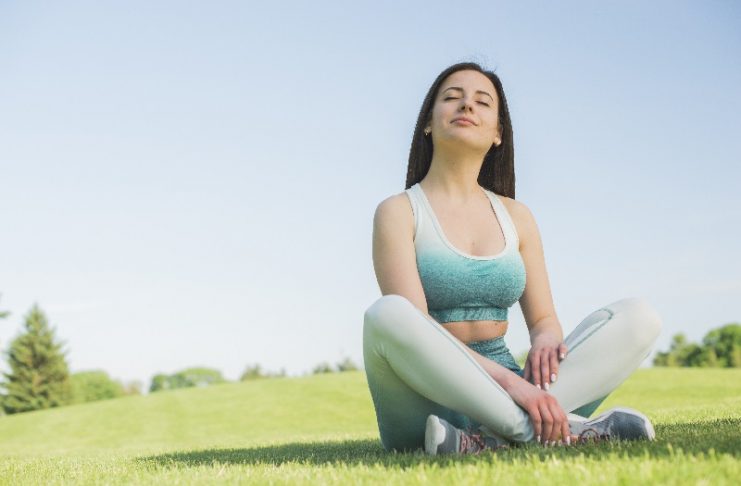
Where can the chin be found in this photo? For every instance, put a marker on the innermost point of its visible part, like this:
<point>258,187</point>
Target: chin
<point>469,141</point>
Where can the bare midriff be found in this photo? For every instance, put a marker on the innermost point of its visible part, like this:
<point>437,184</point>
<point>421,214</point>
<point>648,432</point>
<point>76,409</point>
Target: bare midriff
<point>470,331</point>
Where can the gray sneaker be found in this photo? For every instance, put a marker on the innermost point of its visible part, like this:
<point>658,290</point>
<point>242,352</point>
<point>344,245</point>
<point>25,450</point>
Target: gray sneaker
<point>617,423</point>
<point>443,438</point>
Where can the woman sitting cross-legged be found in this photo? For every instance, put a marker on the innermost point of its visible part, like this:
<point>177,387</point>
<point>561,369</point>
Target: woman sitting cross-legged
<point>452,253</point>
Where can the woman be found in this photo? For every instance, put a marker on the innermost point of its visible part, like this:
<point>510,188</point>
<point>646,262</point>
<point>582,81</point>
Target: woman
<point>451,254</point>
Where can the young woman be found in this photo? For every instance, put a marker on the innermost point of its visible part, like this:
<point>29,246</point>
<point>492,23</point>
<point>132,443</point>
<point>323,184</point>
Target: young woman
<point>451,254</point>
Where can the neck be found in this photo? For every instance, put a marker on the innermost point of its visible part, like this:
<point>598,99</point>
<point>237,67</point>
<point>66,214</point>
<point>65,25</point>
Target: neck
<point>455,175</point>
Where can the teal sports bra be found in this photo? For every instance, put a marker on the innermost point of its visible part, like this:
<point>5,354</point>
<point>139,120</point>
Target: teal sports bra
<point>462,287</point>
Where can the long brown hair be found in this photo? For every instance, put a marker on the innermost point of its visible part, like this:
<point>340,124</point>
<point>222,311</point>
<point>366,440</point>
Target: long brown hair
<point>498,170</point>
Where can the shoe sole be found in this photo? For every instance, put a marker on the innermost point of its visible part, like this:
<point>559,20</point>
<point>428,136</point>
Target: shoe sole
<point>434,434</point>
<point>646,422</point>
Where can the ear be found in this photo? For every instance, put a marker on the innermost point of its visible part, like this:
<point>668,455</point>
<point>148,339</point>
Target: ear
<point>498,136</point>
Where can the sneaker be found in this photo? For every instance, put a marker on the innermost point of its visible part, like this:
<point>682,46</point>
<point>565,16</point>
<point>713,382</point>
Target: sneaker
<point>443,438</point>
<point>617,423</point>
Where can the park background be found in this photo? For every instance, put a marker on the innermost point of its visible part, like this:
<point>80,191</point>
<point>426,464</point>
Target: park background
<point>194,184</point>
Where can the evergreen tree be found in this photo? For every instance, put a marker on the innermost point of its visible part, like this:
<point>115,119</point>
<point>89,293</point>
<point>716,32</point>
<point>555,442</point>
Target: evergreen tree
<point>39,374</point>
<point>4,314</point>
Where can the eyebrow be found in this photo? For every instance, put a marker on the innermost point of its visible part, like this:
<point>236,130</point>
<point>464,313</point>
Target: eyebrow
<point>477,92</point>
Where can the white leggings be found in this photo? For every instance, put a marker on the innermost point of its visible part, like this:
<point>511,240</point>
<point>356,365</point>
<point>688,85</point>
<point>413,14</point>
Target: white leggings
<point>415,367</point>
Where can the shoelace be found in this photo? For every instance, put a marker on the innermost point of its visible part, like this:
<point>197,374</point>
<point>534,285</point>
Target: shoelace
<point>472,443</point>
<point>593,435</point>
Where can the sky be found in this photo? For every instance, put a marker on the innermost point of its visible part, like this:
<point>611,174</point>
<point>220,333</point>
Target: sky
<point>193,183</point>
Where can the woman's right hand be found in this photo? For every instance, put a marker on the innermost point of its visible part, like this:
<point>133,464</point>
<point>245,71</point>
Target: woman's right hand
<point>548,418</point>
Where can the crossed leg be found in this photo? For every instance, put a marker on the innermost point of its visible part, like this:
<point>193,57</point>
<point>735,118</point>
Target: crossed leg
<point>415,367</point>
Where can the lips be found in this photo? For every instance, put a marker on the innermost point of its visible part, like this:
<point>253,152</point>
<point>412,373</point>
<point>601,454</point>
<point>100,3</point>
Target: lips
<point>464,119</point>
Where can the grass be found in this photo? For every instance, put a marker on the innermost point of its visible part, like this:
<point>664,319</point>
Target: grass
<point>321,429</point>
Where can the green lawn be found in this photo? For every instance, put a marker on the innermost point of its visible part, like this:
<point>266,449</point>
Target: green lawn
<point>321,429</point>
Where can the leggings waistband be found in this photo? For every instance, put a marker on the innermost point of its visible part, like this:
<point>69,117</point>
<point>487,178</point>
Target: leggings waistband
<point>487,346</point>
<point>496,350</point>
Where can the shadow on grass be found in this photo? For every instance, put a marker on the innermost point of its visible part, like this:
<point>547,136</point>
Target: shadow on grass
<point>673,440</point>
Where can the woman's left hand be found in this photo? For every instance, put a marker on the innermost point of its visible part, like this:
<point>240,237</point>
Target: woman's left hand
<point>541,366</point>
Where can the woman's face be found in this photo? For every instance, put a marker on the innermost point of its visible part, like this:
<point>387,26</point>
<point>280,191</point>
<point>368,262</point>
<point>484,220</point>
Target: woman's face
<point>471,95</point>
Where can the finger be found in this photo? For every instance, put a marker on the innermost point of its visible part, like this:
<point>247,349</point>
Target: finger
<point>537,424</point>
<point>547,420</point>
<point>558,419</point>
<point>566,431</point>
<point>526,371</point>
<point>545,366</point>
<point>562,350</point>
<point>535,369</point>
<point>554,367</point>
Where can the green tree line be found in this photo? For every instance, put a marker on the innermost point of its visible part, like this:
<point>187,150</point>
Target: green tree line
<point>720,347</point>
<point>40,378</point>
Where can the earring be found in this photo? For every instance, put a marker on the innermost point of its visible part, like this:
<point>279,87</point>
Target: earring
<point>427,131</point>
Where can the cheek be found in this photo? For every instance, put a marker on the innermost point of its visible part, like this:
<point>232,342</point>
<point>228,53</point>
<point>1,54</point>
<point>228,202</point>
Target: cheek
<point>438,114</point>
<point>493,126</point>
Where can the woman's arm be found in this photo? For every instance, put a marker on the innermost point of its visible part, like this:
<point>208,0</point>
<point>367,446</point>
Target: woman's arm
<point>536,302</point>
<point>394,257</point>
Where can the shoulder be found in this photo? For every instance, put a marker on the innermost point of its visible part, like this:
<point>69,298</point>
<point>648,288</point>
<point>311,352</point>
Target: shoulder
<point>395,210</point>
<point>522,217</point>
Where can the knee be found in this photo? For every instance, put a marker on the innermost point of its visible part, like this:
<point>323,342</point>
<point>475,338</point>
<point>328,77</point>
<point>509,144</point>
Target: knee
<point>385,313</point>
<point>642,321</point>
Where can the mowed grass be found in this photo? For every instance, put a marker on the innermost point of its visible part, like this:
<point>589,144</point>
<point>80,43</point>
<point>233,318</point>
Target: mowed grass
<point>322,429</point>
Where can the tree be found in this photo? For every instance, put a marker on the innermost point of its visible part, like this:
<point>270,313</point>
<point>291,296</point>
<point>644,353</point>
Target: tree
<point>89,386</point>
<point>133,387</point>
<point>720,348</point>
<point>186,378</point>
<point>39,374</point>
<point>725,342</point>
<point>254,372</point>
<point>322,367</point>
<point>346,365</point>
<point>200,376</point>
<point>680,351</point>
<point>4,314</point>
<point>160,382</point>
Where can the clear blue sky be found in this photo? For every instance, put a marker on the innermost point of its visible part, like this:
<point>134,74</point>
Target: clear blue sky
<point>193,183</point>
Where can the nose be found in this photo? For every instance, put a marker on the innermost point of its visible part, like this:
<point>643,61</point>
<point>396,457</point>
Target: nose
<point>466,105</point>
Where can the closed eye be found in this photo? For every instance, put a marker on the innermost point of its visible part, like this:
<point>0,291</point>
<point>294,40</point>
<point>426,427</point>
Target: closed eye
<point>454,98</point>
